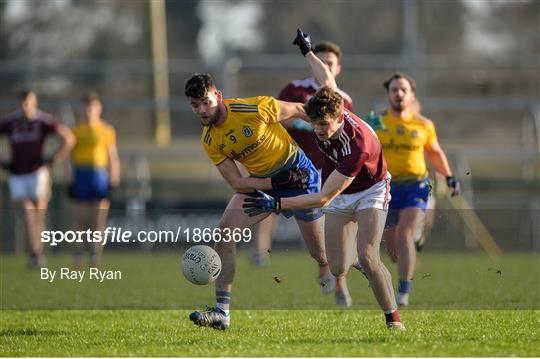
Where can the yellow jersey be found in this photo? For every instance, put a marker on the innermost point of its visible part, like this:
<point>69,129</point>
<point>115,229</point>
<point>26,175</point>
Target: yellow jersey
<point>403,141</point>
<point>251,135</point>
<point>92,144</point>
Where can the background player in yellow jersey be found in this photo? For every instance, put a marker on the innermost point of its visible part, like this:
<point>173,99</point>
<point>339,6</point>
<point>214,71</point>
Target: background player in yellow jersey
<point>405,137</point>
<point>248,130</point>
<point>96,168</point>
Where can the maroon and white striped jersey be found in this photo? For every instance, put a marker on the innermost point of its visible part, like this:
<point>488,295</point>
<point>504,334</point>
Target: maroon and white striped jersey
<point>356,152</point>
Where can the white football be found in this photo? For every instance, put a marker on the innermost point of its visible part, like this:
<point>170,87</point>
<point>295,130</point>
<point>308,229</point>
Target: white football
<point>201,265</point>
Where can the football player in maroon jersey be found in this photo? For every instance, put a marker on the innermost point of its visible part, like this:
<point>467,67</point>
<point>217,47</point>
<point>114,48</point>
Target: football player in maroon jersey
<point>29,185</point>
<point>354,196</point>
<point>301,91</point>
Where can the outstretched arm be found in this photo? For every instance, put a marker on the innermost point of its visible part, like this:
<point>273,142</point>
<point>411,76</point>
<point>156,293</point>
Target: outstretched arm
<point>290,110</point>
<point>260,202</point>
<point>320,71</point>
<point>334,185</point>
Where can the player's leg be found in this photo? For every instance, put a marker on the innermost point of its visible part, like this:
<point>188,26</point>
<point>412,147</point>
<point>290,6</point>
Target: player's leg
<point>340,241</point>
<point>429,220</point>
<point>390,243</point>
<point>262,242</point>
<point>313,236</point>
<point>27,208</point>
<point>40,193</point>
<point>339,234</point>
<point>30,196</point>
<point>233,217</point>
<point>392,217</point>
<point>41,205</point>
<point>81,192</point>
<point>81,217</point>
<point>100,212</point>
<point>99,205</point>
<point>410,222</point>
<point>371,223</point>
<point>370,228</point>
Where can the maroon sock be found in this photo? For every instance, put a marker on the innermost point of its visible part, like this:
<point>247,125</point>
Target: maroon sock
<point>392,317</point>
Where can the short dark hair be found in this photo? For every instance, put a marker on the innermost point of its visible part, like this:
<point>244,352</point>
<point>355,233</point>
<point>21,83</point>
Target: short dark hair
<point>325,102</point>
<point>198,85</point>
<point>23,94</point>
<point>328,46</point>
<point>90,97</point>
<point>400,75</point>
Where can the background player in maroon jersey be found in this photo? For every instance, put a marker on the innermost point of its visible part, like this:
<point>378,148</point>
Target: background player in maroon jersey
<point>354,195</point>
<point>29,185</point>
<point>302,133</point>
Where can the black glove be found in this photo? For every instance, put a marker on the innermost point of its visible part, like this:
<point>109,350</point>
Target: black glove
<point>293,178</point>
<point>259,202</point>
<point>453,183</point>
<point>303,41</point>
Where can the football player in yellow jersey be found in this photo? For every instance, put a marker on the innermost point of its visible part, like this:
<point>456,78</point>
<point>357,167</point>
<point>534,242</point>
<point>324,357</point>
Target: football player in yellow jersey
<point>96,168</point>
<point>407,137</point>
<point>248,130</point>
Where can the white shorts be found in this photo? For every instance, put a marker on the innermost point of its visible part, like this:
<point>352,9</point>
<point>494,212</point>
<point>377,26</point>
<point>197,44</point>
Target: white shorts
<point>376,196</point>
<point>34,186</point>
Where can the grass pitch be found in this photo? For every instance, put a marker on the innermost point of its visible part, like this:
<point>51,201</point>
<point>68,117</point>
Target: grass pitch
<point>462,305</point>
<point>269,333</point>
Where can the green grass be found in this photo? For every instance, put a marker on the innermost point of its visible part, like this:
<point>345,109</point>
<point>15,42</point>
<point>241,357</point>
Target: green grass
<point>460,306</point>
<point>268,333</point>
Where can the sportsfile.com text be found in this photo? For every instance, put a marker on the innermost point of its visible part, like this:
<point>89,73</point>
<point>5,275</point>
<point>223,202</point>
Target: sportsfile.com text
<point>119,235</point>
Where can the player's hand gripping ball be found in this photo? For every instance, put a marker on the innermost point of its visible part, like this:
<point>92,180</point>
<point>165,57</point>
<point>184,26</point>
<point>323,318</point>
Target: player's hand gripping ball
<point>201,265</point>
